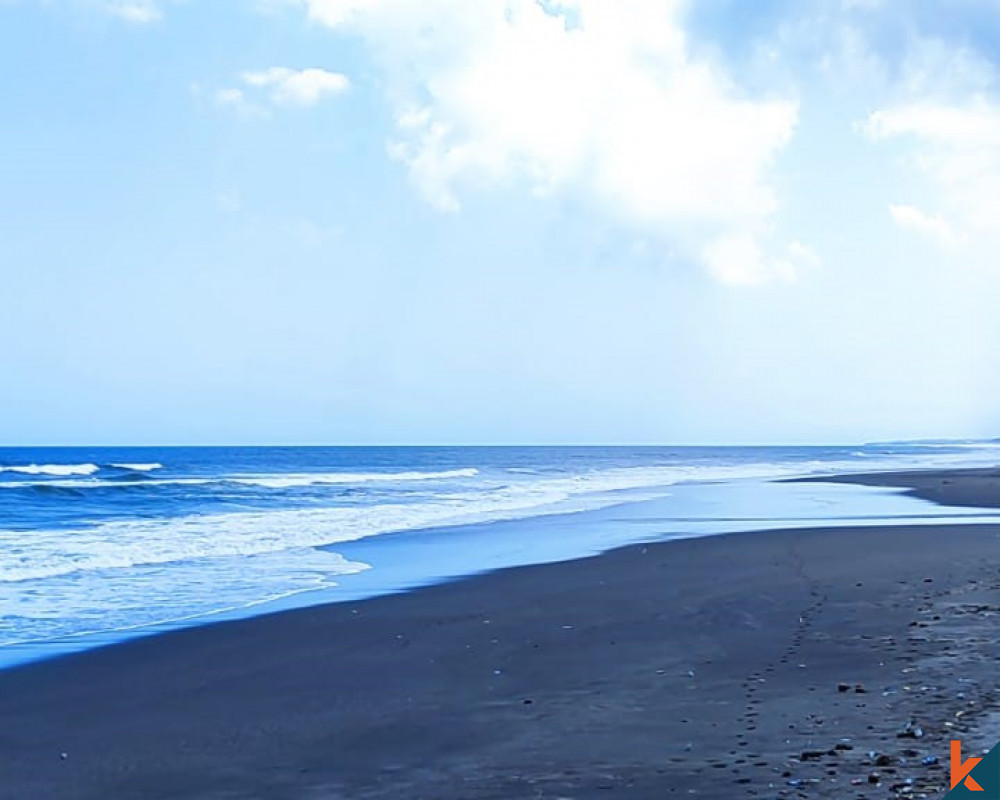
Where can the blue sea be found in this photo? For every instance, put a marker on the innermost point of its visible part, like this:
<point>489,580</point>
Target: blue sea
<point>99,544</point>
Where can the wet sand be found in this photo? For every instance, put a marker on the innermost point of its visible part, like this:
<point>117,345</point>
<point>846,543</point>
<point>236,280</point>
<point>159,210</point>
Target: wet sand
<point>971,487</point>
<point>824,663</point>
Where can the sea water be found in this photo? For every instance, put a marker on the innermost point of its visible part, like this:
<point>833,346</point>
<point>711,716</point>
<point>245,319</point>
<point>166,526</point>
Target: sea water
<point>102,541</point>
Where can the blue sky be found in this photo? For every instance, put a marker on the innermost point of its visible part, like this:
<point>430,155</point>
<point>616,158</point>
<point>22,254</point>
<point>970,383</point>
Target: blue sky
<point>338,221</point>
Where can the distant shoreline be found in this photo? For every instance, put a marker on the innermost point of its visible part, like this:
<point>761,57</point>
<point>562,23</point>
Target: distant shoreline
<point>973,488</point>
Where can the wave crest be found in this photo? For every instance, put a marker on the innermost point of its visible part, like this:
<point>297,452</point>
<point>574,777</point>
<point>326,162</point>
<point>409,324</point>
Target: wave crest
<point>334,478</point>
<point>287,481</point>
<point>57,470</point>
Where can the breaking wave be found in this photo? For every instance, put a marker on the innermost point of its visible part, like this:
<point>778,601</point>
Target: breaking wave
<point>57,470</point>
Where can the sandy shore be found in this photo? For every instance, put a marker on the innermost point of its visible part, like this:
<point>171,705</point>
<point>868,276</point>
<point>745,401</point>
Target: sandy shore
<point>815,663</point>
<point>970,487</point>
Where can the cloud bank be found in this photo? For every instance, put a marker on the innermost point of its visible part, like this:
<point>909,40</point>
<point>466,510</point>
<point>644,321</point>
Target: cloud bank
<point>585,96</point>
<point>953,145</point>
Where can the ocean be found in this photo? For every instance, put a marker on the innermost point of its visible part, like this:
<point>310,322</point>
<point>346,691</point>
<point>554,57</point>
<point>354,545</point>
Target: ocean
<point>98,544</point>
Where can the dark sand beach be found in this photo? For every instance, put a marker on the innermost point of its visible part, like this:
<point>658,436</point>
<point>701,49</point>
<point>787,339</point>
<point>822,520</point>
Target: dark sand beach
<point>827,663</point>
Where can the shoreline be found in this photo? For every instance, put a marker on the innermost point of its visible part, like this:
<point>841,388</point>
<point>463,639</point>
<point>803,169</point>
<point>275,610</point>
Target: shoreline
<point>651,669</point>
<point>408,560</point>
<point>970,488</point>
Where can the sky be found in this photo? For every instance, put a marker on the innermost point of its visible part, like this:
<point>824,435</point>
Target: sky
<point>502,222</point>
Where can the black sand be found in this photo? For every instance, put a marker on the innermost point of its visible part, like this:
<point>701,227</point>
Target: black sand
<point>779,664</point>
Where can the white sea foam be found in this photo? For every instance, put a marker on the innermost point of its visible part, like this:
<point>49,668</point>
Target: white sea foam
<point>334,478</point>
<point>139,467</point>
<point>275,481</point>
<point>121,544</point>
<point>124,544</point>
<point>120,600</point>
<point>53,469</point>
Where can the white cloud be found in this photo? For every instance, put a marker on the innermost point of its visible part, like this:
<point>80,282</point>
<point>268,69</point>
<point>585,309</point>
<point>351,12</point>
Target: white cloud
<point>297,87</point>
<point>236,99</point>
<point>580,95</point>
<point>941,130</point>
<point>281,86</point>
<point>230,97</point>
<point>138,11</point>
<point>738,260</point>
<point>955,147</point>
<point>933,226</point>
<point>976,125</point>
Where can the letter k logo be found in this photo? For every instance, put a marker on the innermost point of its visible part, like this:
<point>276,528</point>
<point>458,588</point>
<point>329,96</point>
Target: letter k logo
<point>960,770</point>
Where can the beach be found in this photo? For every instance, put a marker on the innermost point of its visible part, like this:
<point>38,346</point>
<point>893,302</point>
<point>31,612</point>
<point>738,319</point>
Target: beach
<point>799,663</point>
